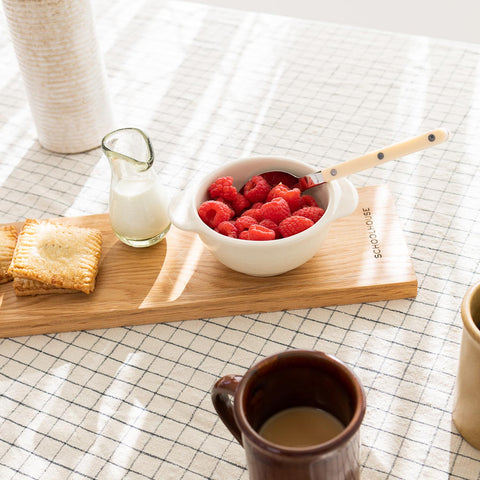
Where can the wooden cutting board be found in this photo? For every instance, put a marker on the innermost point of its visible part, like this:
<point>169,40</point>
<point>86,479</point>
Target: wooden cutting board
<point>365,258</point>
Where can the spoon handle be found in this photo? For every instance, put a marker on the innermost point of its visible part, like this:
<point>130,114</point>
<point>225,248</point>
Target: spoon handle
<point>372,159</point>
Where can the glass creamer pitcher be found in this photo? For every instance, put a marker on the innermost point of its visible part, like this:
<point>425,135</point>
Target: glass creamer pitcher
<point>138,201</point>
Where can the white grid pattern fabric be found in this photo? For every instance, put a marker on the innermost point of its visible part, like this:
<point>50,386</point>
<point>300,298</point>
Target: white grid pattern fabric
<point>208,86</point>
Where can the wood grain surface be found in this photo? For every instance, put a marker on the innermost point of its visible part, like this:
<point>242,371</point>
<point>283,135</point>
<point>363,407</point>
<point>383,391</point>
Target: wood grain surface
<point>365,258</point>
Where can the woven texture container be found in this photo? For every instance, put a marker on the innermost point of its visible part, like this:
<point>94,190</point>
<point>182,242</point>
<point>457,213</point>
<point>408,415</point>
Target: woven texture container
<point>63,72</point>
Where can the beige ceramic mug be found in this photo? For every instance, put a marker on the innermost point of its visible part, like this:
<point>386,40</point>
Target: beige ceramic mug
<point>466,412</point>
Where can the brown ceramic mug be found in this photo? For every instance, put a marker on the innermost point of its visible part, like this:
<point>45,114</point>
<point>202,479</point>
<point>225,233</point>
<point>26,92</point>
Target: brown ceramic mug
<point>466,412</point>
<point>294,378</point>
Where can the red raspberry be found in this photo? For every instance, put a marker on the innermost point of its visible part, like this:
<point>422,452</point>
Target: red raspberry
<point>274,178</point>
<point>293,225</point>
<point>313,213</point>
<point>308,201</point>
<point>256,189</point>
<point>256,213</point>
<point>213,213</point>
<point>293,198</point>
<point>222,200</point>
<point>244,222</point>
<point>304,183</point>
<point>276,210</point>
<point>257,205</point>
<point>272,226</point>
<point>240,203</point>
<point>223,188</point>
<point>259,232</point>
<point>277,191</point>
<point>243,235</point>
<point>228,229</point>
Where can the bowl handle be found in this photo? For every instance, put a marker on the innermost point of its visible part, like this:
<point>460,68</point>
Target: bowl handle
<point>180,212</point>
<point>349,199</point>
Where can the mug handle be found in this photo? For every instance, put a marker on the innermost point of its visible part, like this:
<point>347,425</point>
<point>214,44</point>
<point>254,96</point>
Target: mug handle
<point>222,398</point>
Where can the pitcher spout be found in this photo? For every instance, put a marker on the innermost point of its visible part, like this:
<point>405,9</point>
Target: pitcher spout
<point>129,148</point>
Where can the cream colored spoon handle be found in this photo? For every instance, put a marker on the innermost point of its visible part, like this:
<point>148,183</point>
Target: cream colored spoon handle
<point>378,157</point>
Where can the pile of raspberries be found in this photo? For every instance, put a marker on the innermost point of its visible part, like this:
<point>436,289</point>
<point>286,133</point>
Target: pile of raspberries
<point>267,207</point>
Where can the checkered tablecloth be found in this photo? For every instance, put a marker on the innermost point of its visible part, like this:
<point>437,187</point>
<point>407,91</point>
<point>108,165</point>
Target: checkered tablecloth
<point>210,85</point>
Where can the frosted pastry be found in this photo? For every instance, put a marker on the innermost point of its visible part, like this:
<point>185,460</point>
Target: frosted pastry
<point>8,240</point>
<point>58,255</point>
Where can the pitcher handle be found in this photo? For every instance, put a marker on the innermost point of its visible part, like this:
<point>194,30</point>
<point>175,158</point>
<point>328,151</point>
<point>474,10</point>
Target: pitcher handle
<point>222,399</point>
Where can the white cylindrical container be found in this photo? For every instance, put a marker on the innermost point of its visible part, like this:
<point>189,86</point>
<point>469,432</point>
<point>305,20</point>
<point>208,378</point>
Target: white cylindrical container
<point>63,71</point>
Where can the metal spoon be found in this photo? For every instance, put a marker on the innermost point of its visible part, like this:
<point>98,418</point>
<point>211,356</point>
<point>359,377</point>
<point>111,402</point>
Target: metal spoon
<point>372,159</point>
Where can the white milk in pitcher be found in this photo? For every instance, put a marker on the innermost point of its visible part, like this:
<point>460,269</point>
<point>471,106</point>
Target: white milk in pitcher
<point>139,211</point>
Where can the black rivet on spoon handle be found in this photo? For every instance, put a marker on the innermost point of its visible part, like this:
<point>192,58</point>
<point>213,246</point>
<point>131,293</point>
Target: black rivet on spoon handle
<point>431,137</point>
<point>380,155</point>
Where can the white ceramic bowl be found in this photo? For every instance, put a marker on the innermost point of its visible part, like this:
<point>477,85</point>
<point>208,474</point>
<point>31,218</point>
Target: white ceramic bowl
<point>263,258</point>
